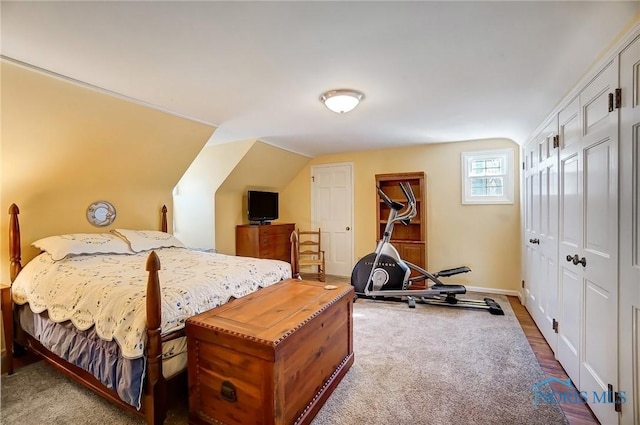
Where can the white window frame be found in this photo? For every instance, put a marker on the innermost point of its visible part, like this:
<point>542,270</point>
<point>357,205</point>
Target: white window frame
<point>506,155</point>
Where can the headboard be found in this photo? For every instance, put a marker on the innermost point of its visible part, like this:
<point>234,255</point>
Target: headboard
<point>15,249</point>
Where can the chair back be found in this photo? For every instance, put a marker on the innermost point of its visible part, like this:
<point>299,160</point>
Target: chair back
<point>306,252</point>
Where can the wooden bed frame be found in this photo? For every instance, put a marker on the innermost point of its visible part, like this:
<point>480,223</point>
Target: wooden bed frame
<point>155,395</point>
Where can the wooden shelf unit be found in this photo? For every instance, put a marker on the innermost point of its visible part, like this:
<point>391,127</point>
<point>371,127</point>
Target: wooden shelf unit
<point>410,240</point>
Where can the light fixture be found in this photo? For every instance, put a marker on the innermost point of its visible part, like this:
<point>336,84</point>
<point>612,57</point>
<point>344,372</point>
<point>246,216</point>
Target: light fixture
<point>341,100</point>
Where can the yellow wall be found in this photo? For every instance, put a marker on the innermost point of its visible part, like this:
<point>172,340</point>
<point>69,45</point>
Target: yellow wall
<point>65,146</point>
<point>263,167</point>
<point>484,237</point>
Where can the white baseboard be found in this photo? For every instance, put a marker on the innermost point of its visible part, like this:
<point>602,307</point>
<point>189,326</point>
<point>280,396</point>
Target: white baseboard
<point>508,292</point>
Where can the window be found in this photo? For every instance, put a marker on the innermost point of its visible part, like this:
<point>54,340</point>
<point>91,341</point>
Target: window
<point>487,177</point>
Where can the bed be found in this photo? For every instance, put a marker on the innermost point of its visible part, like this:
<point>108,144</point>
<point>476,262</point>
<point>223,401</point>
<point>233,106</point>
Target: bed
<point>102,316</point>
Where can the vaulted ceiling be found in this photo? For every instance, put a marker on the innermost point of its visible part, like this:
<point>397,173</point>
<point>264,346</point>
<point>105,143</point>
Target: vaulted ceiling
<point>430,71</point>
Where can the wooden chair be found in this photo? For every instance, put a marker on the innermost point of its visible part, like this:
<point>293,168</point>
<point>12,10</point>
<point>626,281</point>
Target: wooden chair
<point>306,251</point>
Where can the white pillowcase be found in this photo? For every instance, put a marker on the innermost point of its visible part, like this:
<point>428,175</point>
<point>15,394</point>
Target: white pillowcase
<point>145,240</point>
<point>62,246</point>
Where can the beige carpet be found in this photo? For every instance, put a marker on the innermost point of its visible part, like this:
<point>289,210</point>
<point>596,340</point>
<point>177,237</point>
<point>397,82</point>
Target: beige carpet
<point>429,365</point>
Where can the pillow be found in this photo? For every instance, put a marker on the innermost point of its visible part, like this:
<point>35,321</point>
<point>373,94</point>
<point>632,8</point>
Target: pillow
<point>144,240</point>
<point>82,243</point>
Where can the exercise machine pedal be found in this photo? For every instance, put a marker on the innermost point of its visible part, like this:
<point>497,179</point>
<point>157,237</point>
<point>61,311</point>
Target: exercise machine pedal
<point>494,307</point>
<point>488,304</point>
<point>454,271</point>
<point>449,289</point>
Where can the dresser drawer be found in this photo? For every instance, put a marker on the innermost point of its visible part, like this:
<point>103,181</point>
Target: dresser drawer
<point>284,229</point>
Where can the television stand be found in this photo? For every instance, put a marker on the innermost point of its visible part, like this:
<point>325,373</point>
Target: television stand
<point>265,240</point>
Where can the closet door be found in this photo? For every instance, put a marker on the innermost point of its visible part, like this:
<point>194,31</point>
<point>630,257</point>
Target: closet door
<point>548,240</point>
<point>630,233</point>
<point>541,235</point>
<point>570,240</point>
<point>598,253</point>
<point>531,225</point>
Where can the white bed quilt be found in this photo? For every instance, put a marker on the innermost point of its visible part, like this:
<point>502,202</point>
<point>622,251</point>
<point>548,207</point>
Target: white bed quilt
<point>109,290</point>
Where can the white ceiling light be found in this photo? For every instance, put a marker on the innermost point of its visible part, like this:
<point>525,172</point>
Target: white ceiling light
<point>342,100</point>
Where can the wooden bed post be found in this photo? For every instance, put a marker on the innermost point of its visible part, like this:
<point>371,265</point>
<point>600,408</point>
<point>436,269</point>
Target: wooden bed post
<point>164,219</point>
<point>295,265</point>
<point>15,265</point>
<point>155,386</point>
<point>14,243</point>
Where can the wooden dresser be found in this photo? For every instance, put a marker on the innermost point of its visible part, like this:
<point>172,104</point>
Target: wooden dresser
<point>272,357</point>
<point>264,241</point>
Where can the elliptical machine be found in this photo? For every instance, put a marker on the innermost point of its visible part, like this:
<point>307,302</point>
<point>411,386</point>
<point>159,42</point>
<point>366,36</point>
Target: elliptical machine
<point>384,274</point>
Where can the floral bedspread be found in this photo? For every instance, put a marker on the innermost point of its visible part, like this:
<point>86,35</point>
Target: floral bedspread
<point>109,290</point>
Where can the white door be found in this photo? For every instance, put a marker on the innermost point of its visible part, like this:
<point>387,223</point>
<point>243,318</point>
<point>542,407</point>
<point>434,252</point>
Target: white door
<point>332,212</point>
<point>599,249</point>
<point>570,241</point>
<point>541,230</point>
<point>630,233</point>
<point>531,225</point>
<point>588,242</point>
<point>547,239</point>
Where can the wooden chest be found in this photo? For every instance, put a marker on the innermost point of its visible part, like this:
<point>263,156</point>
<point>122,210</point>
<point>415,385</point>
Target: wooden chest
<point>271,357</point>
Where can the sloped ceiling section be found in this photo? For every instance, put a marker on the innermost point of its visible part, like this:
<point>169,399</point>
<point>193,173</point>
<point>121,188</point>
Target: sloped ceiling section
<point>65,145</point>
<point>263,167</point>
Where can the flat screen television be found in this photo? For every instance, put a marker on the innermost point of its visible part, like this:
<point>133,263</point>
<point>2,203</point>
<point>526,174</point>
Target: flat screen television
<point>262,206</point>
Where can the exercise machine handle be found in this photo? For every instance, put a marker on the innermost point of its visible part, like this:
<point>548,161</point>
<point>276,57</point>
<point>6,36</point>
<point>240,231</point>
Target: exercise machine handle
<point>408,192</point>
<point>391,204</point>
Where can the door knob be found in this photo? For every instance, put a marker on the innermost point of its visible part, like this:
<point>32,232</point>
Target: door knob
<point>534,241</point>
<point>577,260</point>
<point>347,228</point>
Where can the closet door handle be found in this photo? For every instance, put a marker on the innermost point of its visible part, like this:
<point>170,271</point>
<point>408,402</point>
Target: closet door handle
<point>570,258</point>
<point>577,260</point>
<point>535,241</point>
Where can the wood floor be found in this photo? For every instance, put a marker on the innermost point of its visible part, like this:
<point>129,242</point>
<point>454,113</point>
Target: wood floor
<point>577,414</point>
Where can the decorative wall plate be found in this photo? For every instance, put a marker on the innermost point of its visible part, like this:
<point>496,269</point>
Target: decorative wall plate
<point>101,213</point>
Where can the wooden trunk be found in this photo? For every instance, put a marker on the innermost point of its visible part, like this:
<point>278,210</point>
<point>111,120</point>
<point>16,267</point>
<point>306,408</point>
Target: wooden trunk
<point>271,357</point>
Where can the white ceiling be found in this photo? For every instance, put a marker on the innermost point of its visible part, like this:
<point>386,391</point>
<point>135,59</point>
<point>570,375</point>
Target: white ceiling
<point>430,71</point>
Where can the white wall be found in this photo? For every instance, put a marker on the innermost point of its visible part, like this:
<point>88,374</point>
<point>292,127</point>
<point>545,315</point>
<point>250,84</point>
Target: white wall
<point>194,195</point>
